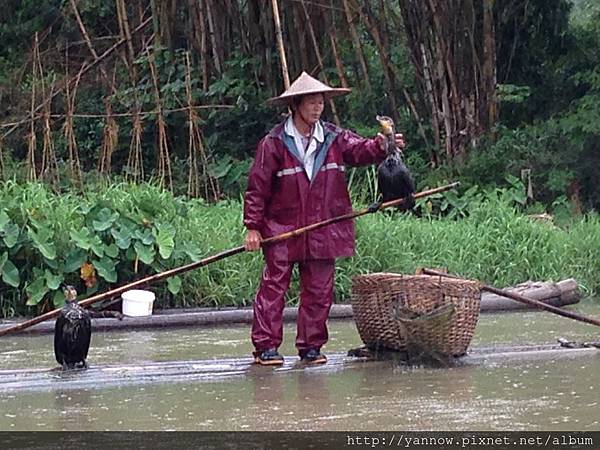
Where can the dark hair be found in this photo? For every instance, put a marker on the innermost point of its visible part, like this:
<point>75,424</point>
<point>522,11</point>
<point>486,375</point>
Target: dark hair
<point>295,102</point>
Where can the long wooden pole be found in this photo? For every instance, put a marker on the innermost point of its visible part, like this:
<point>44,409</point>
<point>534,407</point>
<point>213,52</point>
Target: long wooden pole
<point>219,256</point>
<point>522,299</point>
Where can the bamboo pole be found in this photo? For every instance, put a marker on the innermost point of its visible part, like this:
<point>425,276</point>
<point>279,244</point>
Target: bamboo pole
<point>357,45</point>
<point>135,161</point>
<point>233,251</point>
<point>163,157</point>
<point>336,118</point>
<point>523,299</point>
<point>196,147</point>
<point>284,66</point>
<point>69,133</point>
<point>31,137</point>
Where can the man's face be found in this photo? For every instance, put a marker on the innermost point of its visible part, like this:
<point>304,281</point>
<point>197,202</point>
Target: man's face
<point>311,107</point>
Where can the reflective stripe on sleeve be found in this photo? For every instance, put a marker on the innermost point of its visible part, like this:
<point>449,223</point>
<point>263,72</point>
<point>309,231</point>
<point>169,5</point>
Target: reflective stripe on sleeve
<point>291,171</point>
<point>333,166</point>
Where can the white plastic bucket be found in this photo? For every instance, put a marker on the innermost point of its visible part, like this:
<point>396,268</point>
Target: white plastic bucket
<point>137,302</point>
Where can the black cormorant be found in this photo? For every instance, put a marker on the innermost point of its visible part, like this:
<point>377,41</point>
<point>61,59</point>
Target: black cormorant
<point>73,331</point>
<point>393,178</point>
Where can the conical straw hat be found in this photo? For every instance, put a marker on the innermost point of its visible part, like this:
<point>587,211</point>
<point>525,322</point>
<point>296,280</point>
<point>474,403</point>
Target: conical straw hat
<point>305,84</point>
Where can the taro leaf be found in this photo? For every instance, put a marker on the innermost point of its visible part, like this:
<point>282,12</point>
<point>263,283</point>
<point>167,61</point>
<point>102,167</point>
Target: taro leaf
<point>97,246</point>
<point>82,238</point>
<point>4,220</point>
<point>58,299</point>
<point>55,264</point>
<point>122,237</point>
<point>10,274</point>
<point>11,234</point>
<point>112,251</point>
<point>144,236</point>
<point>130,254</point>
<point>104,219</point>
<point>174,285</point>
<point>3,259</point>
<point>106,269</point>
<point>145,253</point>
<point>53,281</point>
<point>75,260</point>
<point>40,241</point>
<point>36,291</point>
<point>165,238</point>
<point>193,252</point>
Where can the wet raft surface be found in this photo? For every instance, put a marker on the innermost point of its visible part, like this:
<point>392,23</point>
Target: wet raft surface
<point>217,370</point>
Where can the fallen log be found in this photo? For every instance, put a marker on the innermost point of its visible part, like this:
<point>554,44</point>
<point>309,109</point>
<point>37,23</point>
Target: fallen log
<point>557,294</point>
<point>563,293</point>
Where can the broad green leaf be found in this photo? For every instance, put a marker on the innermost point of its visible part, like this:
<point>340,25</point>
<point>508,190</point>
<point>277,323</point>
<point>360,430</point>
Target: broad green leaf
<point>40,241</point>
<point>4,220</point>
<point>145,236</point>
<point>53,281</point>
<point>11,234</point>
<point>97,246</point>
<point>122,237</point>
<point>105,219</point>
<point>131,254</point>
<point>193,252</point>
<point>53,264</point>
<point>10,274</point>
<point>82,238</point>
<point>112,251</point>
<point>174,285</point>
<point>165,239</point>
<point>36,291</point>
<point>75,259</point>
<point>106,269</point>
<point>144,252</point>
<point>3,259</point>
<point>58,299</point>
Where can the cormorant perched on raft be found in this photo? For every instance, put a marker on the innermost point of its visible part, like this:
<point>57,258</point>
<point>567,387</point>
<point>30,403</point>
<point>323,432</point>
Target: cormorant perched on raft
<point>73,331</point>
<point>393,178</point>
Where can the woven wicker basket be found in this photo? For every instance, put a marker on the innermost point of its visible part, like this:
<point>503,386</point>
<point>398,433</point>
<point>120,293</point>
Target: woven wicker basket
<point>436,313</point>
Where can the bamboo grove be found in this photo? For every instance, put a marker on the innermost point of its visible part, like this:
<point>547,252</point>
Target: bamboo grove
<point>161,68</point>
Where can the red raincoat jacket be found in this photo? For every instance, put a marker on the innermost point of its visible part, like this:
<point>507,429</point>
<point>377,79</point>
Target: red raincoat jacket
<point>280,197</point>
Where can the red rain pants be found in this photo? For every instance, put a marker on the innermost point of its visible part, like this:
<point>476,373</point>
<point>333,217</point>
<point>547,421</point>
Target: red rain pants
<point>316,297</point>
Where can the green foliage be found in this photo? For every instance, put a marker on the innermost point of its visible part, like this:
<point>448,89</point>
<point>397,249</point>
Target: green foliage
<point>479,233</point>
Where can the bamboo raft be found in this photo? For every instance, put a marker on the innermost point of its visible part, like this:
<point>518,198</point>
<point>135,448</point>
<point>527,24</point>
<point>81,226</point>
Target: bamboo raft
<point>102,376</point>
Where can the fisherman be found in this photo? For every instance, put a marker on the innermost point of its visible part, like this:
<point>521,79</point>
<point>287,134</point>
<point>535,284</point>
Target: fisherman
<point>298,178</point>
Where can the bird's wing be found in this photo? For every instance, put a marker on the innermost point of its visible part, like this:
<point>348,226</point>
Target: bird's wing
<point>86,335</point>
<point>59,343</point>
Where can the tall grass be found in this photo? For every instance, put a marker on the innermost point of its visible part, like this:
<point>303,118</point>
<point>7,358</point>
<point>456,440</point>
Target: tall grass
<point>493,243</point>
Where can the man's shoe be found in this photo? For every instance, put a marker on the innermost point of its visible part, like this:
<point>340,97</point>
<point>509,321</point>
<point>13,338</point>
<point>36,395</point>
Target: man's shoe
<point>313,356</point>
<point>269,357</point>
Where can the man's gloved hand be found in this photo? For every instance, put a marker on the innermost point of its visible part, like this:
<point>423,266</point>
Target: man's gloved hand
<point>253,240</point>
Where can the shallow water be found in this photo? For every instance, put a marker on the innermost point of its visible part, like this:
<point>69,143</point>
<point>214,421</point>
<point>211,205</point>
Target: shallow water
<point>560,394</point>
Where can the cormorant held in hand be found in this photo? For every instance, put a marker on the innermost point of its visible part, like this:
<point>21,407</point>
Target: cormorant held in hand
<point>393,178</point>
